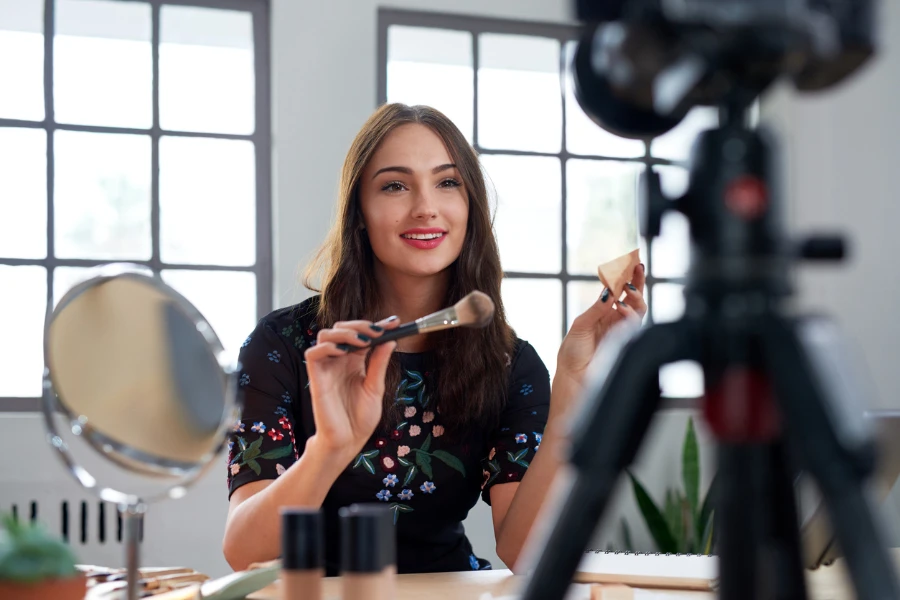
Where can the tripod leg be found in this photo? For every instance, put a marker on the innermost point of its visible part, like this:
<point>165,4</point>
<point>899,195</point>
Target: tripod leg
<point>620,401</point>
<point>830,437</point>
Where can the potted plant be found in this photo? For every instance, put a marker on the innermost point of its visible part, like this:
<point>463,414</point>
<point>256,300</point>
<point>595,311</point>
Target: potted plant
<point>35,565</point>
<point>684,523</point>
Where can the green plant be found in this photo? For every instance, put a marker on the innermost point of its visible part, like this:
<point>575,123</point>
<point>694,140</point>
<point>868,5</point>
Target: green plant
<point>685,522</point>
<point>28,554</point>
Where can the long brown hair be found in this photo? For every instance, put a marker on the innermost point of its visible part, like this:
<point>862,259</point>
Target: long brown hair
<point>473,363</point>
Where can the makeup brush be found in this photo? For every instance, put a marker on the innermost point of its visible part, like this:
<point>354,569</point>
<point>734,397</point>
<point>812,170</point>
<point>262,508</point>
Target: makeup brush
<point>475,310</point>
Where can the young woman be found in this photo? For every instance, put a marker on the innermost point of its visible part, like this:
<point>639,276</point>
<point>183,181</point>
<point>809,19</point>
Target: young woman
<point>425,424</point>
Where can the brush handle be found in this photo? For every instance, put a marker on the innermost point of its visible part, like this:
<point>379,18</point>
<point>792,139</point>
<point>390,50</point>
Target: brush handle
<point>395,334</point>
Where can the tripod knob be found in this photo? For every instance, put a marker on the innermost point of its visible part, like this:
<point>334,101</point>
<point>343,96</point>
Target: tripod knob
<point>822,248</point>
<point>652,203</point>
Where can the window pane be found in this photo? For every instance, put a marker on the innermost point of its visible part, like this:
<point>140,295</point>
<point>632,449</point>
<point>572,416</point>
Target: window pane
<point>65,278</point>
<point>602,221</point>
<point>673,180</point>
<point>102,63</point>
<point>23,193</point>
<point>226,299</point>
<point>206,75</point>
<point>677,144</point>
<point>668,302</point>
<point>432,67</point>
<point>207,196</point>
<point>519,102</point>
<point>21,36</point>
<point>671,250</point>
<point>528,211</point>
<point>534,310</point>
<point>583,136</point>
<point>102,196</point>
<point>682,379</point>
<point>22,317</point>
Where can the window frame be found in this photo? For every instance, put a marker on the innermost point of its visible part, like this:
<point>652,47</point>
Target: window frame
<point>261,138</point>
<point>563,33</point>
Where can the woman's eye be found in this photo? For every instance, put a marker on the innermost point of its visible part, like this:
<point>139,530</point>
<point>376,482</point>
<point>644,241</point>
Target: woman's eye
<point>449,183</point>
<point>394,186</point>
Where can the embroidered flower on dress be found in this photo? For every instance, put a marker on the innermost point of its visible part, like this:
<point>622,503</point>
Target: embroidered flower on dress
<point>245,380</point>
<point>415,430</point>
<point>492,454</point>
<point>235,468</point>
<point>526,389</point>
<point>284,422</point>
<point>402,451</point>
<point>473,562</point>
<point>388,465</point>
<point>521,438</point>
<point>383,495</point>
<point>396,434</point>
<point>275,435</point>
<point>428,417</point>
<point>259,427</point>
<point>410,412</point>
<point>537,436</point>
<point>230,446</point>
<point>281,411</point>
<point>279,469</point>
<point>405,495</point>
<point>437,430</point>
<point>286,397</point>
<point>390,480</point>
<point>428,487</point>
<point>247,341</point>
<point>380,443</point>
<point>238,427</point>
<point>274,356</point>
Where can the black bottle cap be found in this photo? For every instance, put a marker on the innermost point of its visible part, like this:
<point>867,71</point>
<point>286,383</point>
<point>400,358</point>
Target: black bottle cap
<point>302,539</point>
<point>368,538</point>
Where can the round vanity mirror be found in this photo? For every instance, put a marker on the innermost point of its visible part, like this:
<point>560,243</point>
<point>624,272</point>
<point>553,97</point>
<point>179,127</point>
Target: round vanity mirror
<point>139,395</point>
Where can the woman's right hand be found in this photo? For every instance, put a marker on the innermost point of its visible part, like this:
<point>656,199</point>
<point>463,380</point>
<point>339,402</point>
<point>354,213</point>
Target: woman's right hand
<point>347,397</point>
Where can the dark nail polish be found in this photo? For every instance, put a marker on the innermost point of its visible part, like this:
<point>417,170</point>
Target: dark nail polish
<point>345,347</point>
<point>632,288</point>
<point>622,303</point>
<point>643,268</point>
<point>363,338</point>
<point>376,328</point>
<point>605,295</point>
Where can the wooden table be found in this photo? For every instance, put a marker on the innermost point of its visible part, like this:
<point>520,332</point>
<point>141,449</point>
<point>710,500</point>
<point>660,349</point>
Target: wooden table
<point>827,583</point>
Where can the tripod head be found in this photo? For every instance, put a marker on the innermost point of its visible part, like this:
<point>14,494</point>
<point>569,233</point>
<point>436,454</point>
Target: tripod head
<point>641,65</point>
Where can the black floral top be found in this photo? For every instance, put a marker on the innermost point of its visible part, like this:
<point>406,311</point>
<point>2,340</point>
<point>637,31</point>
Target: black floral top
<point>428,483</point>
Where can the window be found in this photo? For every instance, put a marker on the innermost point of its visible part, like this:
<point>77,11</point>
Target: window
<point>131,131</point>
<point>566,189</point>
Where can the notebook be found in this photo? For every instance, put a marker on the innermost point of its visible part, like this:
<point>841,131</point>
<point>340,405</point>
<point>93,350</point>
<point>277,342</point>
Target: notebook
<point>669,571</point>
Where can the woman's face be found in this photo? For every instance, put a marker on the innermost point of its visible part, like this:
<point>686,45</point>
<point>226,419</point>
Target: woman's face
<point>414,204</point>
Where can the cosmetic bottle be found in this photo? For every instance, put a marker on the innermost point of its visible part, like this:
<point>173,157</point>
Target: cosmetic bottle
<point>368,552</point>
<point>302,554</point>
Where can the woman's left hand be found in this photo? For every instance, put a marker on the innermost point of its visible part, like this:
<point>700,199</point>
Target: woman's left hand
<point>589,329</point>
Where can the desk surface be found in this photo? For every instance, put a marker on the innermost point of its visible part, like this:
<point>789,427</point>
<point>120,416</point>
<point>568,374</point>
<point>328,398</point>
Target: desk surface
<point>826,583</point>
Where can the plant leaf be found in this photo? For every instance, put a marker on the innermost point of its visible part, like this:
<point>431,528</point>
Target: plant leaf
<point>410,474</point>
<point>417,379</point>
<point>251,453</point>
<point>707,509</point>
<point>405,400</point>
<point>404,508</point>
<point>690,470</point>
<point>242,443</point>
<point>367,464</point>
<point>423,459</point>
<point>450,460</point>
<point>626,536</point>
<point>426,444</point>
<point>255,466</point>
<point>401,425</point>
<point>372,453</point>
<point>687,542</point>
<point>403,461</point>
<point>656,523</point>
<point>279,452</point>
<point>708,535</point>
<point>421,396</point>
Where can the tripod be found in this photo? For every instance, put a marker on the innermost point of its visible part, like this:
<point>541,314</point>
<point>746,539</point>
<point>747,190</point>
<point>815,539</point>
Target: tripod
<point>768,397</point>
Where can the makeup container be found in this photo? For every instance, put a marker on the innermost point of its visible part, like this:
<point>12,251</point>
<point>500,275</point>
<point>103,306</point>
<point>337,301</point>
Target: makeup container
<point>368,552</point>
<point>302,554</point>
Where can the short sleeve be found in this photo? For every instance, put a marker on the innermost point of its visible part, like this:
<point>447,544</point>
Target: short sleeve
<point>262,444</point>
<point>512,445</point>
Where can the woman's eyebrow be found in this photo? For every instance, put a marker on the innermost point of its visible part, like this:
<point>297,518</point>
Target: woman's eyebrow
<point>408,171</point>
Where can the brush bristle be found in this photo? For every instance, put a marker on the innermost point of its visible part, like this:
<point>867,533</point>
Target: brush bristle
<point>475,310</point>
